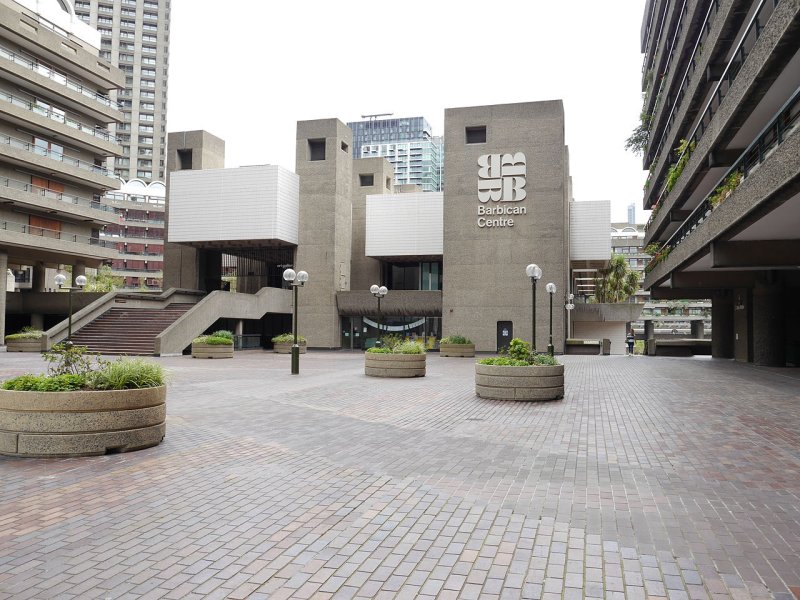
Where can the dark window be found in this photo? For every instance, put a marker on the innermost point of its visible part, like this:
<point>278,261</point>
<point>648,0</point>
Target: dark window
<point>316,149</point>
<point>344,147</point>
<point>366,180</point>
<point>184,159</point>
<point>388,183</point>
<point>476,135</point>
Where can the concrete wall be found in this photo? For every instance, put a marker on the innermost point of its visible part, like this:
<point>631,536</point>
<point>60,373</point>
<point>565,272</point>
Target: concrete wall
<point>484,267</point>
<point>589,225</point>
<point>182,263</point>
<point>365,271</point>
<point>613,330</point>
<point>326,227</point>
<point>404,224</point>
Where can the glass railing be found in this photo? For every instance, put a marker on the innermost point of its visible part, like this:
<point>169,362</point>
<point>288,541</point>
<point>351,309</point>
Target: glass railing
<point>772,136</point>
<point>751,35</point>
<point>52,195</point>
<point>54,234</point>
<point>55,155</point>
<point>58,77</point>
<point>59,117</point>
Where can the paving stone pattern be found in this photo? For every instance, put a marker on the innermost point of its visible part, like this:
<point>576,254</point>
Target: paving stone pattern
<point>653,478</point>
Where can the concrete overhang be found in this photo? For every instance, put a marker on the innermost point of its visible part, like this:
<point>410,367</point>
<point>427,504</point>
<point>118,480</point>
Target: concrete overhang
<point>397,303</point>
<point>620,312</point>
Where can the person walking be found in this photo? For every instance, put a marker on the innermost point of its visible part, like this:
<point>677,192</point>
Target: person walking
<point>629,340</point>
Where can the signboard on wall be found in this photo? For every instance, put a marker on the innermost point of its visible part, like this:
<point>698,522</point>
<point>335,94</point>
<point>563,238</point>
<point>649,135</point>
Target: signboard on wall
<point>501,185</point>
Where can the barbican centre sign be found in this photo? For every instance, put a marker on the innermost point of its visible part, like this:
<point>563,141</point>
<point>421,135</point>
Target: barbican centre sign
<point>501,183</point>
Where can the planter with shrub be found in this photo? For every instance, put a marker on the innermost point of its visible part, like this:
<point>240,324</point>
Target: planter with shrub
<point>457,345</point>
<point>215,345</point>
<point>404,359</point>
<point>27,340</point>
<point>522,375</point>
<point>283,343</point>
<point>83,408</point>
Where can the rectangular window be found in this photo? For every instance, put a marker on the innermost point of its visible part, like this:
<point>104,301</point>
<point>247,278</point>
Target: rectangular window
<point>366,180</point>
<point>184,159</point>
<point>476,135</point>
<point>316,149</point>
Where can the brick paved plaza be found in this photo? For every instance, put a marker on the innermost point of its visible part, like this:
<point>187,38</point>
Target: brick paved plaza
<point>653,477</point>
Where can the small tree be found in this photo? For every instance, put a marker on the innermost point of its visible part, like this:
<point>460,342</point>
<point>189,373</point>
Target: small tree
<point>617,282</point>
<point>103,281</point>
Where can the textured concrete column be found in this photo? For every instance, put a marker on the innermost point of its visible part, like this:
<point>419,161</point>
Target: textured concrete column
<point>722,326</point>
<point>4,271</point>
<point>649,330</point>
<point>79,268</point>
<point>37,321</point>
<point>769,342</point>
<point>697,330</point>
<point>38,283</point>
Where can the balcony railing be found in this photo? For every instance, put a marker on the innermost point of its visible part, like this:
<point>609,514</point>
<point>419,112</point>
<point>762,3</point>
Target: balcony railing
<point>52,195</point>
<point>54,234</point>
<point>58,77</point>
<point>108,236</point>
<point>151,221</point>
<point>772,136</point>
<point>732,69</point>
<point>55,155</point>
<point>60,117</point>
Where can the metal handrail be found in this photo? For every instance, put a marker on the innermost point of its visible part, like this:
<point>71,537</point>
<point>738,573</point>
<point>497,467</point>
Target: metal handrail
<point>96,131</point>
<point>57,76</point>
<point>59,156</point>
<point>728,76</point>
<point>35,189</point>
<point>53,234</point>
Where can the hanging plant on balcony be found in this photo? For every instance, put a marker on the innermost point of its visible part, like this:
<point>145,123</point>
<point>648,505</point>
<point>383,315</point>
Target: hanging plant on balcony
<point>720,194</point>
<point>683,152</point>
<point>658,257</point>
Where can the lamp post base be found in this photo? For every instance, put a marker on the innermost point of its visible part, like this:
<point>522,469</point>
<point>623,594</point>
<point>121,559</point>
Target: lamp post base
<point>550,349</point>
<point>295,359</point>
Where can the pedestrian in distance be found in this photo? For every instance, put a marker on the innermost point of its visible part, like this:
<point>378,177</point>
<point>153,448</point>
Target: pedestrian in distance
<point>629,340</point>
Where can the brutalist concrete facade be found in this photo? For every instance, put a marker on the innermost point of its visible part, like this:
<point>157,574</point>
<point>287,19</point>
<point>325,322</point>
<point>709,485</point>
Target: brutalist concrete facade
<point>487,245</point>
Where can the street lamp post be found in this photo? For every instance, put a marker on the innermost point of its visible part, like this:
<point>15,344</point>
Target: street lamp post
<point>379,292</point>
<point>80,281</point>
<point>535,273</point>
<point>551,289</point>
<point>569,305</point>
<point>296,280</point>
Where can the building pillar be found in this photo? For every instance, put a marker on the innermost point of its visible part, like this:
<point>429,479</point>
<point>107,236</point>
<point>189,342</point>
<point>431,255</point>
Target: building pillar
<point>38,283</point>
<point>742,325</point>
<point>722,326</point>
<point>4,271</point>
<point>79,268</point>
<point>697,330</point>
<point>239,327</point>
<point>37,321</point>
<point>649,334</point>
<point>769,342</point>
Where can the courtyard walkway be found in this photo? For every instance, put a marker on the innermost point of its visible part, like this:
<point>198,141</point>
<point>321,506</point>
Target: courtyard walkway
<point>653,477</point>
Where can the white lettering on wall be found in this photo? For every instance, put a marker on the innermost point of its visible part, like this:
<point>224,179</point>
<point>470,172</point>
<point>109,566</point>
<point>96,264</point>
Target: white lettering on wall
<point>501,178</point>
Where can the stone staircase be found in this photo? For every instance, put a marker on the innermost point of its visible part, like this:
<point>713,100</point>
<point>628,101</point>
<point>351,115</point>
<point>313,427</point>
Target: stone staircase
<point>129,331</point>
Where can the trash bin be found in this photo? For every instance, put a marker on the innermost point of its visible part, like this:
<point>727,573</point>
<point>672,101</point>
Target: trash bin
<point>606,346</point>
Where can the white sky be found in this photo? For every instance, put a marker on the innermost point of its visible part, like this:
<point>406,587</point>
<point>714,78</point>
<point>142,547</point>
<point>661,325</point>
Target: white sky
<point>247,71</point>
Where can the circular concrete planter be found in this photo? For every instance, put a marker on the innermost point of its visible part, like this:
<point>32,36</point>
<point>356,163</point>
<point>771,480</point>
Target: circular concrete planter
<point>394,365</point>
<point>212,350</point>
<point>459,350</point>
<point>29,345</point>
<point>286,347</point>
<point>497,382</point>
<point>81,423</point>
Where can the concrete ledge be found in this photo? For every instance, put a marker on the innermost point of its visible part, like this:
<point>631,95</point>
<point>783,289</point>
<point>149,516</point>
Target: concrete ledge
<point>212,351</point>
<point>458,350</point>
<point>81,423</point>
<point>24,345</point>
<point>688,347</point>
<point>286,347</point>
<point>583,347</point>
<point>394,365</point>
<point>495,382</point>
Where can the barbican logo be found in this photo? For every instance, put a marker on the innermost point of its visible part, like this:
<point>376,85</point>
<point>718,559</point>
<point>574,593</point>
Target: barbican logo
<point>501,178</point>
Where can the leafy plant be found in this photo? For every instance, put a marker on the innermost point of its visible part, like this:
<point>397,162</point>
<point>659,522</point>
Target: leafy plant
<point>391,340</point>
<point>43,383</point>
<point>288,337</point>
<point>640,137</point>
<point>504,361</point>
<point>731,182</point>
<point>408,348</point>
<point>651,249</point>
<point>617,282</point>
<point>125,374</point>
<point>213,340</point>
<point>66,358</point>
<point>683,152</point>
<point>379,350</point>
<point>455,339</point>
<point>26,333</point>
<point>519,349</point>
<point>659,257</point>
<point>223,333</point>
<point>103,281</point>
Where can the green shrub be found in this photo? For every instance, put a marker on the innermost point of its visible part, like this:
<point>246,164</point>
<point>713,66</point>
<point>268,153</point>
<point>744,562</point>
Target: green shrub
<point>519,349</point>
<point>455,339</point>
<point>288,337</point>
<point>379,350</point>
<point>66,358</point>
<point>408,348</point>
<point>391,340</point>
<point>26,333</point>
<point>503,361</point>
<point>213,340</point>
<point>223,333</point>
<point>43,383</point>
<point>127,373</point>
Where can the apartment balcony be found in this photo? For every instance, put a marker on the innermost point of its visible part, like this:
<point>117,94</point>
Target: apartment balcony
<point>61,205</point>
<point>26,243</point>
<point>760,78</point>
<point>138,222</point>
<point>142,238</point>
<point>49,82</point>
<point>52,124</point>
<point>150,273</point>
<point>55,164</point>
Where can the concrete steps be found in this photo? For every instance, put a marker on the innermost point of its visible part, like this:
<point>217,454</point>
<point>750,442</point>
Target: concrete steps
<point>128,330</point>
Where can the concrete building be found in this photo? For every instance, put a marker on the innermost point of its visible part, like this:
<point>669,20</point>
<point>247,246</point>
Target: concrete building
<point>54,144</point>
<point>134,35</point>
<point>408,144</point>
<point>725,77</point>
<point>454,261</point>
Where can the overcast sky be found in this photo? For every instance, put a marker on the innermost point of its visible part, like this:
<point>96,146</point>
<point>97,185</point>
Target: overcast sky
<point>247,71</point>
